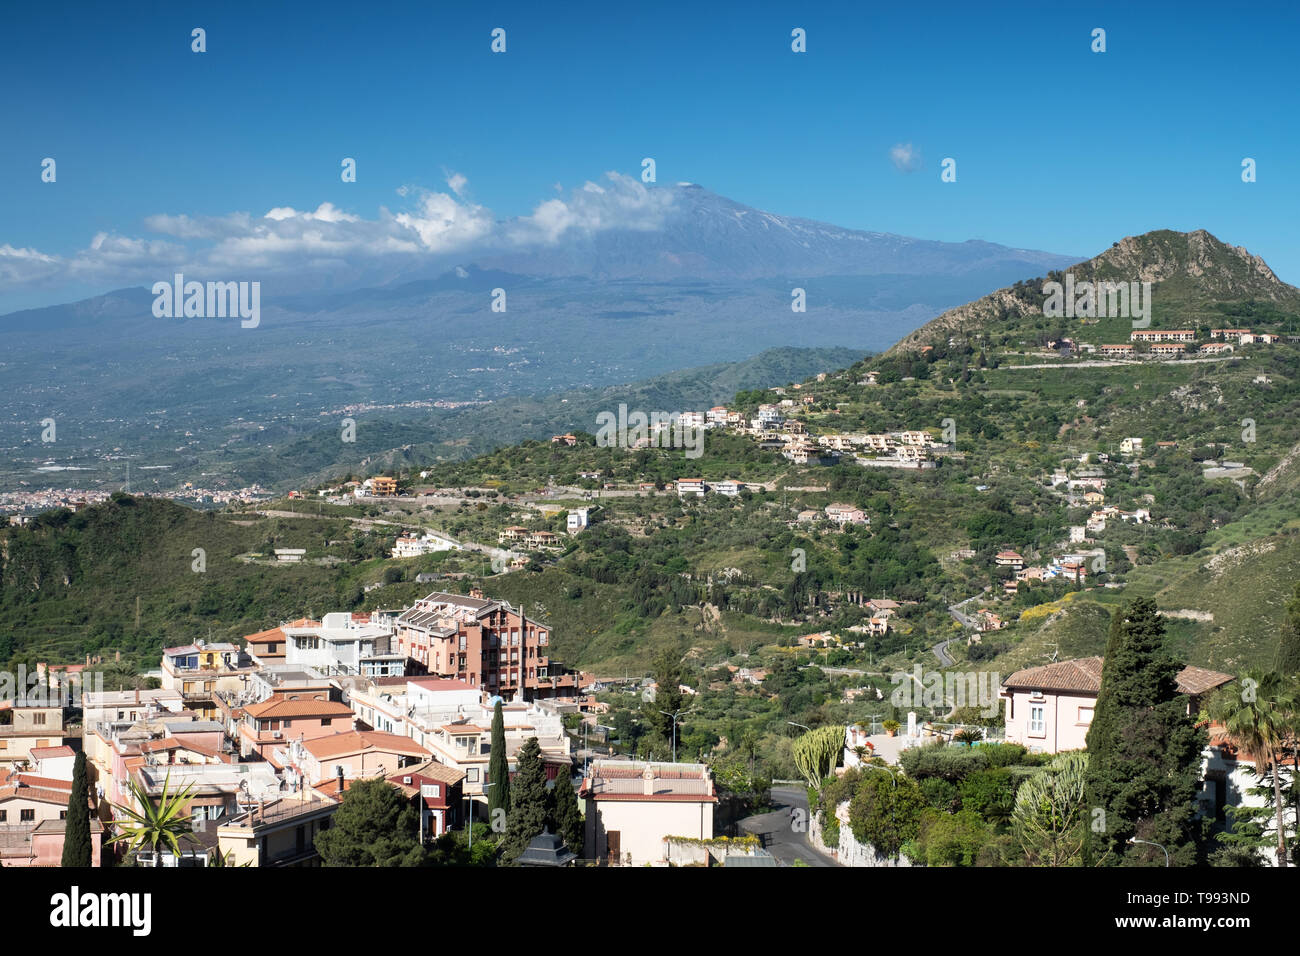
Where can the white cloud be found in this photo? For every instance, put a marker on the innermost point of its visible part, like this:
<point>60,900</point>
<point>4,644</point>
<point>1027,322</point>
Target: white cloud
<point>905,157</point>
<point>457,183</point>
<point>293,243</point>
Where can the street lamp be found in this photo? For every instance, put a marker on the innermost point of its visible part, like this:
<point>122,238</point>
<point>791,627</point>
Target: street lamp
<point>1150,843</point>
<point>804,726</point>
<point>673,715</point>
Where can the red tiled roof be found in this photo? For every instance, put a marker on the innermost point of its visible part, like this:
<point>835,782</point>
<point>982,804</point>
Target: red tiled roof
<point>41,753</point>
<point>355,741</point>
<point>273,636</point>
<point>1084,676</point>
<point>430,770</point>
<point>297,708</point>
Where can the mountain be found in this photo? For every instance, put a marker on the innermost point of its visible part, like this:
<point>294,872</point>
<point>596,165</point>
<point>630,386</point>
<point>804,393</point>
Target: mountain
<point>702,235</point>
<point>709,282</point>
<point>1196,279</point>
<point>711,577</point>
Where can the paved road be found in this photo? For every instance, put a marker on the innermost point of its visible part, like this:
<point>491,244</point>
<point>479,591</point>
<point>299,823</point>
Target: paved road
<point>776,831</point>
<point>941,652</point>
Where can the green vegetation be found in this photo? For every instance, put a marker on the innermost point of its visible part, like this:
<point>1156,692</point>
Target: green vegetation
<point>1144,750</point>
<point>373,826</point>
<point>76,834</point>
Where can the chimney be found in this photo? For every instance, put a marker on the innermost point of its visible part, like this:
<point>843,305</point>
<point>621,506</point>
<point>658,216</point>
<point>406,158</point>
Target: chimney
<point>649,777</point>
<point>340,779</point>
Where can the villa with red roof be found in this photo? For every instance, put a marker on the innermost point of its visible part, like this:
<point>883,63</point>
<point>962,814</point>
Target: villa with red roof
<point>1049,708</point>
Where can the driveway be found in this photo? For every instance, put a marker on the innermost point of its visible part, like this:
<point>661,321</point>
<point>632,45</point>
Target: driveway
<point>776,829</point>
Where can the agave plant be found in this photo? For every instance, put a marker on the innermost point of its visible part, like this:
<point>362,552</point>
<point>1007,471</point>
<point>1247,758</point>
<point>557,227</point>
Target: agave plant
<point>156,824</point>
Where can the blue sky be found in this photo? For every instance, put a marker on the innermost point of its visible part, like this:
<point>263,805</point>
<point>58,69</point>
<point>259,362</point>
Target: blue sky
<point>1057,148</point>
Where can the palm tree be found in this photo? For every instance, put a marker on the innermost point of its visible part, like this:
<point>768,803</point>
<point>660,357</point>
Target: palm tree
<point>1256,720</point>
<point>163,823</point>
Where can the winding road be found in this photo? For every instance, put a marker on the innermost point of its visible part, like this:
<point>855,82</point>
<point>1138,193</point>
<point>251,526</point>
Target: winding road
<point>778,833</point>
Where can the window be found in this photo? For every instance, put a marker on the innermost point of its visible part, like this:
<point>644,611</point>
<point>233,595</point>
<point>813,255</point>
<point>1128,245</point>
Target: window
<point>63,814</point>
<point>1037,721</point>
<point>1085,715</point>
<point>27,816</point>
<point>326,721</point>
<point>4,815</point>
<point>38,718</point>
<point>541,638</point>
<point>471,775</point>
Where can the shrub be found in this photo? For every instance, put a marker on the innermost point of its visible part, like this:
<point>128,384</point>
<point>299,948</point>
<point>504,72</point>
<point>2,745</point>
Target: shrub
<point>1004,755</point>
<point>939,760</point>
<point>989,793</point>
<point>940,794</point>
<point>950,839</point>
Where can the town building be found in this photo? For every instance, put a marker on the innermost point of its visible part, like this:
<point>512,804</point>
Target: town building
<point>631,806</point>
<point>1049,708</point>
<point>488,644</point>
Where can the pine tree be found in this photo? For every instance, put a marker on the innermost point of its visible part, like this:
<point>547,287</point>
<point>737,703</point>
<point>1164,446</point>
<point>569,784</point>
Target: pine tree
<point>76,833</point>
<point>528,801</point>
<point>373,826</point>
<point>498,767</point>
<point>565,817</point>
<point>1144,750</point>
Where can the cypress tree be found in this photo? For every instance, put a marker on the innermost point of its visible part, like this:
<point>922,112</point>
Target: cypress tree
<point>76,833</point>
<point>565,818</point>
<point>528,801</point>
<point>498,767</point>
<point>1144,750</point>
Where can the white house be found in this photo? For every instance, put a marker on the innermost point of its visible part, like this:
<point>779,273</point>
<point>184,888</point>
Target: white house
<point>577,520</point>
<point>632,805</point>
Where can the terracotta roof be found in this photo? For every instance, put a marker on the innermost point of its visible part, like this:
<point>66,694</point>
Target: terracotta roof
<point>39,794</point>
<point>431,770</point>
<point>273,636</point>
<point>44,783</point>
<point>1084,676</point>
<point>41,753</point>
<point>358,740</point>
<point>297,708</point>
<point>1198,680</point>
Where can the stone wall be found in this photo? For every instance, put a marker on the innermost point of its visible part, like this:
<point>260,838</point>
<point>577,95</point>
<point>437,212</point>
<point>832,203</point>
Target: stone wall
<point>850,852</point>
